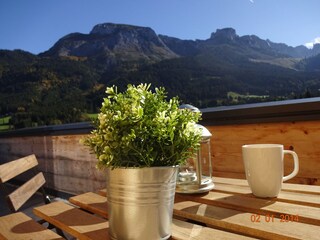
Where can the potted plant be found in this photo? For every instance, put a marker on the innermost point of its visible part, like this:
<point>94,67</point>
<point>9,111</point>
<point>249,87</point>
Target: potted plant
<point>140,138</point>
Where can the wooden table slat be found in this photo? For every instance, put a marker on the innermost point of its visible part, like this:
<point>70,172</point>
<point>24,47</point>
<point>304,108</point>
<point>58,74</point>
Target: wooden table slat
<point>284,196</point>
<point>103,192</point>
<point>291,187</point>
<point>183,230</point>
<point>242,222</point>
<point>76,222</point>
<point>229,211</point>
<point>262,206</point>
<point>19,226</point>
<point>91,202</point>
<point>227,219</point>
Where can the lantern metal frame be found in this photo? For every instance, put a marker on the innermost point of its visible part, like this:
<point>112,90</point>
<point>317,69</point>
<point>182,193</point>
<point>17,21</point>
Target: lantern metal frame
<point>198,183</point>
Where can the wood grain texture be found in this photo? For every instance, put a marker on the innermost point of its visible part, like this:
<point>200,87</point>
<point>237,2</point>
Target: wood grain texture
<point>12,169</point>
<point>76,222</point>
<point>23,193</point>
<point>287,187</point>
<point>97,204</point>
<point>91,202</point>
<point>231,208</point>
<point>284,196</point>
<point>241,202</point>
<point>68,166</point>
<point>183,230</point>
<point>18,226</point>
<point>241,222</point>
<point>302,137</point>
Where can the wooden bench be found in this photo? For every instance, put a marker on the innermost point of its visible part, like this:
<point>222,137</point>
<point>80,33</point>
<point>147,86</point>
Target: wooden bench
<point>17,198</point>
<point>22,194</point>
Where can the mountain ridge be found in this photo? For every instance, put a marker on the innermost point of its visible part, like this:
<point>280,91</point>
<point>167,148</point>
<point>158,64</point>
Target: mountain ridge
<point>113,40</point>
<point>144,38</point>
<point>61,84</point>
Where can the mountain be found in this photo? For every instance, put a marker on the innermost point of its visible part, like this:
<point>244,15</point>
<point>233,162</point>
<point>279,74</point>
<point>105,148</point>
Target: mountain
<point>114,40</point>
<point>252,41</point>
<point>247,42</point>
<point>114,43</point>
<point>68,80</point>
<point>310,64</point>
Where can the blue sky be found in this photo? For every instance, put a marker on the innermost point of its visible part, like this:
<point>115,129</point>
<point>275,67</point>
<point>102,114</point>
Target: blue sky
<point>35,25</point>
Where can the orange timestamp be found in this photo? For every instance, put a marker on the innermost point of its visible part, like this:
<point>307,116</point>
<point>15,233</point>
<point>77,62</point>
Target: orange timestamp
<point>256,218</point>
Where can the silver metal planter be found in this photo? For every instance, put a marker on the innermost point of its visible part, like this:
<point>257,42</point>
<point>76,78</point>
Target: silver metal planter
<point>140,202</point>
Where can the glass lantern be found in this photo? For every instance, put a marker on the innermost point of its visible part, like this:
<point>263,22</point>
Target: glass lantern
<point>196,175</point>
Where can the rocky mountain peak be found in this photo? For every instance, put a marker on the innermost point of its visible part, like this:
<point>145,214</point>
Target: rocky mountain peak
<point>128,33</point>
<point>224,34</point>
<point>122,42</point>
<point>112,28</point>
<point>104,28</point>
<point>115,42</point>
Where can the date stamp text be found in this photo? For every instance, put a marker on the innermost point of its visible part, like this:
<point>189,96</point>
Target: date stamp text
<point>283,218</point>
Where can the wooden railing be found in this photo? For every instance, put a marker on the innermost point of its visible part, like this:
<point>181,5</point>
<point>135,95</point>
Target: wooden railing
<point>293,123</point>
<point>69,167</point>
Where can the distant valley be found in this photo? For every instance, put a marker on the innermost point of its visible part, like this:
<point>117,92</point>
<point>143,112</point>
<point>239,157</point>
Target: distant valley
<point>66,82</point>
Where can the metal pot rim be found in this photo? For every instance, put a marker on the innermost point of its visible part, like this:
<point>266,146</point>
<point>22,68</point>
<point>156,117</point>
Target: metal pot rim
<point>156,167</point>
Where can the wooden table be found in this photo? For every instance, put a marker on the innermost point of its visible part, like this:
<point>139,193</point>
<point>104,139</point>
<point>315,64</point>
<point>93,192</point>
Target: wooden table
<point>229,211</point>
<point>19,226</point>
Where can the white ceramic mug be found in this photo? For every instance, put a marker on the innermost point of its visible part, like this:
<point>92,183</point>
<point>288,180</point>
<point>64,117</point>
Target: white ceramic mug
<point>264,168</point>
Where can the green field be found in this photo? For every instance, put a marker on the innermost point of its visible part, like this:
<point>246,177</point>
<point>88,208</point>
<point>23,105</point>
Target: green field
<point>92,115</point>
<point>4,120</point>
<point>236,96</point>
<point>4,123</point>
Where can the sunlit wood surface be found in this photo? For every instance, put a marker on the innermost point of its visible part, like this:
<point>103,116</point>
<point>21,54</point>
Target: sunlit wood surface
<point>18,226</point>
<point>229,211</point>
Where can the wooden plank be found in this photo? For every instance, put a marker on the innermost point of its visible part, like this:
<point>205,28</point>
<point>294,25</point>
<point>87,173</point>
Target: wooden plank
<point>289,197</point>
<point>183,230</point>
<point>261,206</point>
<point>91,202</point>
<point>23,193</point>
<point>19,226</point>
<point>74,221</point>
<point>103,192</point>
<point>77,223</point>
<point>12,169</point>
<point>301,188</point>
<point>180,230</point>
<point>303,137</point>
<point>232,181</point>
<point>290,187</point>
<point>245,223</point>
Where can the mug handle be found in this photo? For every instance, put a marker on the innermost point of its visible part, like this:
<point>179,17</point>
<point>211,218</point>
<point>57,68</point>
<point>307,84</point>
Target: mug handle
<point>296,165</point>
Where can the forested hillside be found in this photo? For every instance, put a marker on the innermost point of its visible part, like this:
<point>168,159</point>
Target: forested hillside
<point>68,81</point>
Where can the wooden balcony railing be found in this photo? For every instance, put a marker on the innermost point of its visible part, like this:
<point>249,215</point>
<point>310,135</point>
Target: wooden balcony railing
<point>69,167</point>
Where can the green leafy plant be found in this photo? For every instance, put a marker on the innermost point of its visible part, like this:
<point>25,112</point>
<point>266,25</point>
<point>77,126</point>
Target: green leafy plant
<point>140,128</point>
